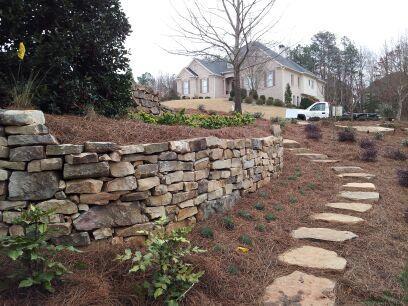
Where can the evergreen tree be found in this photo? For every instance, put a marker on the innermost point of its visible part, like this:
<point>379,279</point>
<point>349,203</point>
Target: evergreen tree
<point>77,47</point>
<point>288,94</point>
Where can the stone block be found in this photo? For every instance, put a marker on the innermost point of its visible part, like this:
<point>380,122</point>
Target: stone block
<point>94,170</point>
<point>135,196</point>
<point>161,200</point>
<point>21,117</point>
<point>63,149</point>
<point>184,196</point>
<point>10,216</point>
<point>135,230</point>
<point>202,154</point>
<point>189,203</point>
<point>215,194</point>
<point>160,190</point>
<point>56,230</point>
<point>187,157</point>
<point>33,186</point>
<point>100,147</point>
<point>65,207</point>
<point>102,233</point>
<point>175,187</point>
<point>131,149</point>
<point>81,158</point>
<point>169,155</point>
<point>151,159</point>
<point>7,205</point>
<point>200,199</point>
<point>188,176</point>
<point>121,184</point>
<point>4,152</point>
<point>123,214</point>
<point>152,148</point>
<point>197,144</point>
<point>3,188</point>
<point>101,198</point>
<point>48,164</point>
<point>3,230</point>
<point>4,175</point>
<point>188,186</point>
<point>31,140</point>
<point>221,164</point>
<point>155,212</point>
<point>216,154</point>
<point>33,129</point>
<point>186,213</point>
<point>83,186</point>
<point>16,230</point>
<point>5,164</point>
<point>202,164</point>
<point>174,177</point>
<point>121,169</point>
<point>27,153</point>
<point>180,146</point>
<point>148,183</point>
<point>77,239</point>
<point>201,174</point>
<point>147,170</point>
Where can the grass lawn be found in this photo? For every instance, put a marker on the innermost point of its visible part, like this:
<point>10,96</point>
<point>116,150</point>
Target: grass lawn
<point>223,105</point>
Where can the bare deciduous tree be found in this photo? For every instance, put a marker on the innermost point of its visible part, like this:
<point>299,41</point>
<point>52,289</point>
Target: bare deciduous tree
<point>224,32</point>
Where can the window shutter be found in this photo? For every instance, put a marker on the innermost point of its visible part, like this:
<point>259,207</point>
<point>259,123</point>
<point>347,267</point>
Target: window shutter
<point>188,86</point>
<point>273,76</point>
<point>265,79</point>
<point>208,85</point>
<point>201,86</point>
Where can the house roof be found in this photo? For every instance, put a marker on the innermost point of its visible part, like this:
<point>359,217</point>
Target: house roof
<point>216,67</point>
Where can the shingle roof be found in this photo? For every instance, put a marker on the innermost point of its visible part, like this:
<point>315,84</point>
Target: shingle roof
<point>216,67</point>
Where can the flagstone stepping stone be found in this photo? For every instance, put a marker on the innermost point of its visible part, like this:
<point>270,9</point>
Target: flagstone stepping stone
<point>359,186</point>
<point>346,169</point>
<point>368,128</point>
<point>299,150</point>
<point>303,123</point>
<point>360,195</point>
<point>325,234</point>
<point>325,161</point>
<point>361,175</point>
<point>359,207</point>
<point>336,218</point>
<point>313,155</point>
<point>300,289</point>
<point>289,143</point>
<point>313,257</point>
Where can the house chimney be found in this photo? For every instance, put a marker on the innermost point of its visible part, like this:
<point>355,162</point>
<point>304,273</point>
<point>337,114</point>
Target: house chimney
<point>283,50</point>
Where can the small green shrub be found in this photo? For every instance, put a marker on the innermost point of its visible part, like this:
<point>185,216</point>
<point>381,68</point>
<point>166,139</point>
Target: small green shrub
<point>245,239</point>
<point>207,232</point>
<point>232,269</point>
<point>258,115</point>
<point>218,248</point>
<point>262,97</point>
<point>311,186</point>
<point>404,143</point>
<point>249,100</point>
<point>278,102</point>
<point>260,228</point>
<point>260,102</point>
<point>278,207</point>
<point>254,94</point>
<point>33,253</point>
<point>245,215</point>
<point>270,217</point>
<point>263,194</point>
<point>228,223</point>
<point>293,199</point>
<point>379,136</point>
<point>259,206</point>
<point>165,251</point>
<point>269,101</point>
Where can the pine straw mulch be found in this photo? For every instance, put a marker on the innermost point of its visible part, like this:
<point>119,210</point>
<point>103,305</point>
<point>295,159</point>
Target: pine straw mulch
<point>77,130</point>
<point>375,258</point>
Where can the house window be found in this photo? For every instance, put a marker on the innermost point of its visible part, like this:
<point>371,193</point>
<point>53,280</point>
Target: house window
<point>311,84</point>
<point>204,86</point>
<point>186,88</point>
<point>247,82</point>
<point>270,79</point>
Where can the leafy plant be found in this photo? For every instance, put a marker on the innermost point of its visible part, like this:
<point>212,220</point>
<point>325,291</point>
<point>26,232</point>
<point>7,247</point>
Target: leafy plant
<point>259,206</point>
<point>33,253</point>
<point>404,143</point>
<point>270,217</point>
<point>269,101</point>
<point>172,277</point>
<point>249,100</point>
<point>245,215</point>
<point>260,228</point>
<point>228,223</point>
<point>311,186</point>
<point>278,207</point>
<point>233,269</point>
<point>293,199</point>
<point>245,239</point>
<point>207,232</point>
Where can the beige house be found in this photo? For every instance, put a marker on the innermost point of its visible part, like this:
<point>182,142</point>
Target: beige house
<point>265,70</point>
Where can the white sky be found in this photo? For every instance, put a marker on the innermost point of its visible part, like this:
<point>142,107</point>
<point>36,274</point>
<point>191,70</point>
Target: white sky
<point>369,23</point>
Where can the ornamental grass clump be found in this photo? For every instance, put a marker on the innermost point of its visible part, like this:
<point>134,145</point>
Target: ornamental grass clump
<point>166,273</point>
<point>403,177</point>
<point>367,143</point>
<point>347,135</point>
<point>396,154</point>
<point>228,223</point>
<point>369,154</point>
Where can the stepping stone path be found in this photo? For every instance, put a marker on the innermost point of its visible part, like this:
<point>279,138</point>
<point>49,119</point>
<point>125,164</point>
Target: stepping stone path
<point>358,207</point>
<point>360,195</point>
<point>359,186</point>
<point>288,143</point>
<point>337,218</point>
<point>313,257</point>
<point>366,176</point>
<point>325,234</point>
<point>368,128</point>
<point>346,169</point>
<point>304,289</point>
<point>300,288</point>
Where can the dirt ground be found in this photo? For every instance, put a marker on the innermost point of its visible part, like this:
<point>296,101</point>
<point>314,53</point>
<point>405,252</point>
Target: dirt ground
<point>223,105</point>
<point>374,259</point>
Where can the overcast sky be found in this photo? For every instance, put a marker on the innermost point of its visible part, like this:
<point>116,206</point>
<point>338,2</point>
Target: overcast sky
<point>368,23</point>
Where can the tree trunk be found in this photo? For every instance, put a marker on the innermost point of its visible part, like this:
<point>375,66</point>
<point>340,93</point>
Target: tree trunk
<point>237,90</point>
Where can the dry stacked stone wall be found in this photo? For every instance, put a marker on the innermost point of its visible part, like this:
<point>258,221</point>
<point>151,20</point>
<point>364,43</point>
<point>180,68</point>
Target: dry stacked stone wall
<point>100,190</point>
<point>145,100</point>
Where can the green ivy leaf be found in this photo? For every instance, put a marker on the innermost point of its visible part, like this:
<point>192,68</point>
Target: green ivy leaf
<point>15,254</point>
<point>28,282</point>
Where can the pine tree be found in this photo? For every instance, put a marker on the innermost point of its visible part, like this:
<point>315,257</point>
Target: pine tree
<point>288,94</point>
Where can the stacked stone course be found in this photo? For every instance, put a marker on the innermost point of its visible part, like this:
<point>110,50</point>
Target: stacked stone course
<point>145,100</point>
<point>101,190</point>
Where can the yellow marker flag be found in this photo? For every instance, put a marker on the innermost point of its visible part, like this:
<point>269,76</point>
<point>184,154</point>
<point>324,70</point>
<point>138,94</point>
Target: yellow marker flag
<point>21,51</point>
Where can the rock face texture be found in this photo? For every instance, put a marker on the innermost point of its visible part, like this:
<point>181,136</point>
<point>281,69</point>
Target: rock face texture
<point>300,288</point>
<point>145,100</point>
<point>100,190</point>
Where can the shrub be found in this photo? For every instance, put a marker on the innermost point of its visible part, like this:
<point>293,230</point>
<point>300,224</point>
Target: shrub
<point>387,111</point>
<point>260,228</point>
<point>379,136</point>
<point>35,256</point>
<point>207,232</point>
<point>278,102</point>
<point>346,135</point>
<point>278,120</point>
<point>260,102</point>
<point>313,132</point>
<point>245,215</point>
<point>263,98</point>
<point>404,143</point>
<point>233,269</point>
<point>403,177</point>
<point>254,94</point>
<point>245,239</point>
<point>258,115</point>
<point>367,143</point>
<point>293,120</point>
<point>305,103</point>
<point>201,108</point>
<point>396,154</point>
<point>369,154</point>
<point>228,223</point>
<point>207,97</point>
<point>230,99</point>
<point>259,206</point>
<point>263,194</point>
<point>269,101</point>
<point>293,199</point>
<point>164,254</point>
<point>270,217</point>
<point>249,100</point>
